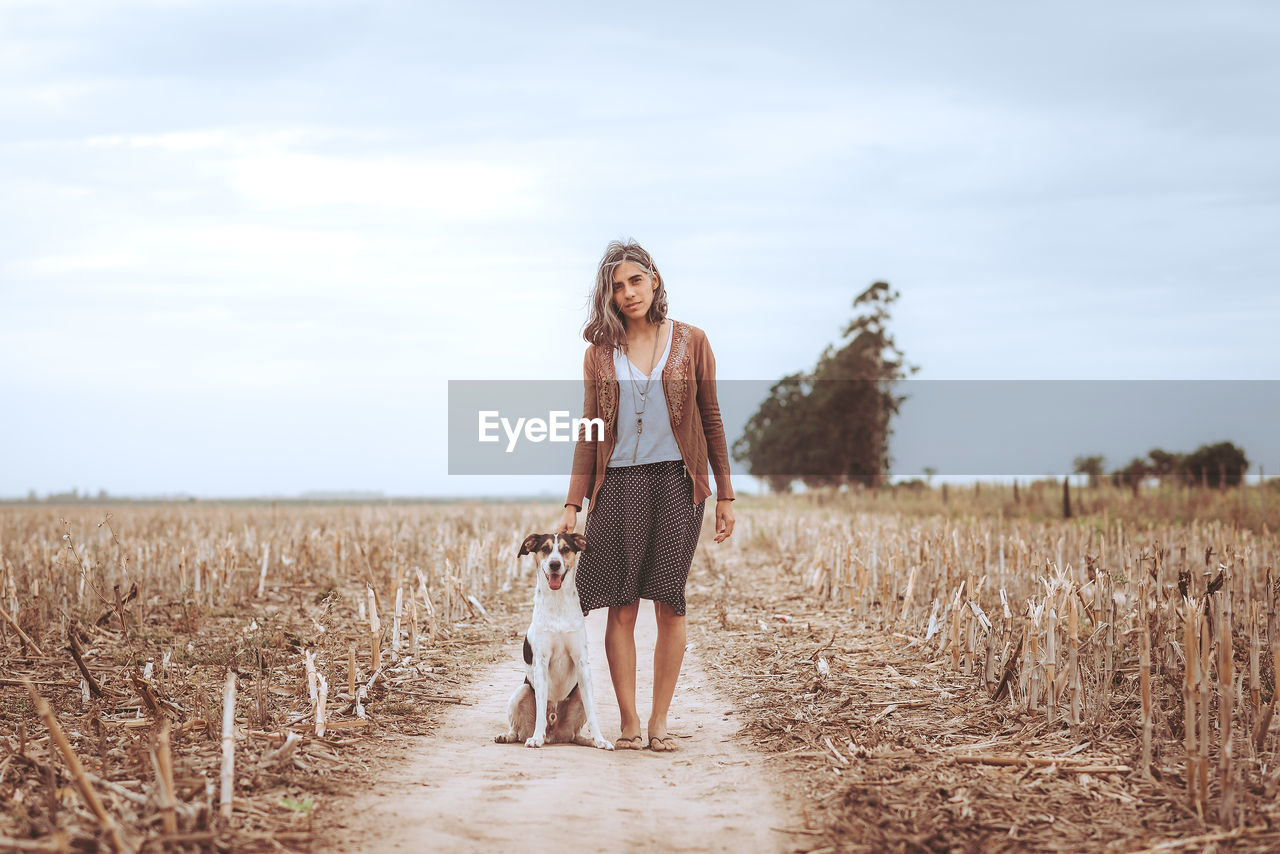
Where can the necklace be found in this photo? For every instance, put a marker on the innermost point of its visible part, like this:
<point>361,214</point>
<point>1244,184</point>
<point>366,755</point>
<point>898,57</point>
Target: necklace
<point>643,394</point>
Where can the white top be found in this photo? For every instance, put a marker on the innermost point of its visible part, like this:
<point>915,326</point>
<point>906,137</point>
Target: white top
<point>655,442</point>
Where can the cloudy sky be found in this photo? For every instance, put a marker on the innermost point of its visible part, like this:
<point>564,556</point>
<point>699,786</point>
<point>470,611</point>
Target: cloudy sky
<point>244,246</point>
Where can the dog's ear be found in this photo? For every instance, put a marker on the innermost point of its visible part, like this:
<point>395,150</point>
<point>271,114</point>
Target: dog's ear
<point>576,542</point>
<point>530,544</point>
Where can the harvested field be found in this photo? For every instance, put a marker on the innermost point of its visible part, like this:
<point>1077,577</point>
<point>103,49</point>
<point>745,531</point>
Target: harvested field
<point>936,684</point>
<point>920,682</point>
<point>128,620</point>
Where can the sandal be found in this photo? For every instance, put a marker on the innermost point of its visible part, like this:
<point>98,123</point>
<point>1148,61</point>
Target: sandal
<point>633,742</point>
<point>662,743</point>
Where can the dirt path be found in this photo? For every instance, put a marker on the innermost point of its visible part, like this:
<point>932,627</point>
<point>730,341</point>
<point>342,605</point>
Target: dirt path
<point>463,792</point>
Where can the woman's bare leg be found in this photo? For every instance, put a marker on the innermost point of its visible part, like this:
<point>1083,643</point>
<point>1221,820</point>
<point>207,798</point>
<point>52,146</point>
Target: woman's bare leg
<point>668,655</point>
<point>620,649</point>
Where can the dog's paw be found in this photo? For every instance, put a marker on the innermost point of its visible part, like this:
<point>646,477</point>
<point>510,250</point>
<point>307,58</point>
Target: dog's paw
<point>603,743</point>
<point>505,738</point>
<point>533,741</point>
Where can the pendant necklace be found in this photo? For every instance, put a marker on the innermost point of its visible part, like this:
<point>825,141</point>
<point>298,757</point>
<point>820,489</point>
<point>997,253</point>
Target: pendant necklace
<point>643,394</point>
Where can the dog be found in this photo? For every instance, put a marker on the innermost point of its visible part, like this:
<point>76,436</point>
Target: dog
<point>555,699</point>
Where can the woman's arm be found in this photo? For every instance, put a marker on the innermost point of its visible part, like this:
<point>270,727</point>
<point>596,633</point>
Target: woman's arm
<point>717,448</point>
<point>582,475</point>
<point>712,425</point>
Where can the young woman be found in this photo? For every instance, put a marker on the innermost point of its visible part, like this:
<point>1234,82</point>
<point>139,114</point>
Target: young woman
<point>653,382</point>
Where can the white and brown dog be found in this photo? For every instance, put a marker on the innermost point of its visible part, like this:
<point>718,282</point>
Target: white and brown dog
<point>555,699</point>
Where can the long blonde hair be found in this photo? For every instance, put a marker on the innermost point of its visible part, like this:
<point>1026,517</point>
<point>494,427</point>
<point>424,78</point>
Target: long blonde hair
<point>604,324</point>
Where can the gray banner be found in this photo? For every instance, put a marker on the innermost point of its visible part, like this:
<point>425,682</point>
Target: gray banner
<point>954,427</point>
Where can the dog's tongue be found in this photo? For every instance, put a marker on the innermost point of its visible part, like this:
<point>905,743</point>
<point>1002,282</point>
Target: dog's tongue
<point>555,581</point>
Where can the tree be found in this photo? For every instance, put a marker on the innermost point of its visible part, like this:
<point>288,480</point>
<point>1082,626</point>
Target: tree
<point>1132,475</point>
<point>1092,466</point>
<point>1217,465</point>
<point>768,444</point>
<point>1164,463</point>
<point>831,426</point>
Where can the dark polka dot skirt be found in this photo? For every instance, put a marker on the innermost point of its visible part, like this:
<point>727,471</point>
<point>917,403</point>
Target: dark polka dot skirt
<point>641,537</point>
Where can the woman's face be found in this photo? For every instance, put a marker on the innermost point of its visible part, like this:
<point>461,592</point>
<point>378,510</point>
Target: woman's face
<point>633,290</point>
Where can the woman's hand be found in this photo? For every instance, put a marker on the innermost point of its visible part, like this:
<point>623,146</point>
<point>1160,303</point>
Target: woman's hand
<point>724,519</point>
<point>568,521</point>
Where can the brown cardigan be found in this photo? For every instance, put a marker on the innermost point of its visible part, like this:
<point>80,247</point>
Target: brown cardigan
<point>689,376</point>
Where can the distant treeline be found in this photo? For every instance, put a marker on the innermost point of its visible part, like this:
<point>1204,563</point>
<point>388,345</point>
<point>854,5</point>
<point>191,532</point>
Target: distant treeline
<point>75,496</point>
<point>355,497</point>
<point>1218,465</point>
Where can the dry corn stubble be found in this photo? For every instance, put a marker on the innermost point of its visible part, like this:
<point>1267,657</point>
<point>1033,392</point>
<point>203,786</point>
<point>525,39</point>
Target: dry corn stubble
<point>937,762</point>
<point>138,681</point>
<point>895,733</point>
